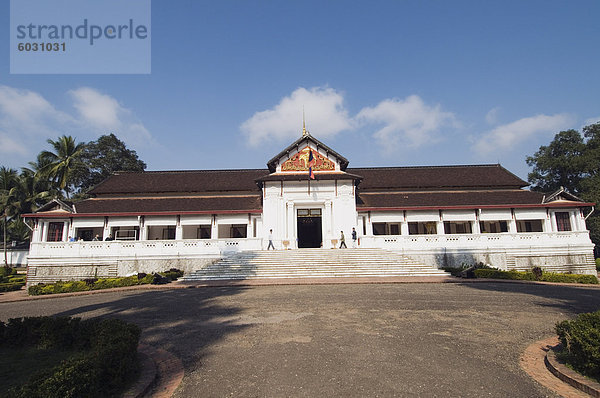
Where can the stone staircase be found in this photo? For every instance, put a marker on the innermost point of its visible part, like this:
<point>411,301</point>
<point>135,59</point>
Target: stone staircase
<point>313,263</point>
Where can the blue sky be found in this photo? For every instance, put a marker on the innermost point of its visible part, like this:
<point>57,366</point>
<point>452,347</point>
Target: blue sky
<point>396,83</point>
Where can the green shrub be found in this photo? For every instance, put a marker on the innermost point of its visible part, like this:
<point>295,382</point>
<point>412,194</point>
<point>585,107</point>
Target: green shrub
<point>172,274</point>
<point>580,340</point>
<point>598,264</point>
<point>93,284</point>
<point>11,286</point>
<point>529,276</point>
<point>107,356</point>
<point>7,271</point>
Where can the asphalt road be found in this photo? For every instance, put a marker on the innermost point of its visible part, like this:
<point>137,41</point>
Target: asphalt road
<point>376,340</point>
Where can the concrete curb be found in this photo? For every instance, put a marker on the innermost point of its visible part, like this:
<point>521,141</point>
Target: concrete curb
<point>146,378</point>
<point>161,374</point>
<point>570,376</point>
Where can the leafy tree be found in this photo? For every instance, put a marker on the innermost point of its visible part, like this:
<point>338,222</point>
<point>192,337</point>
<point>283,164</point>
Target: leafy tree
<point>105,156</point>
<point>571,161</point>
<point>8,181</point>
<point>62,165</point>
<point>559,164</point>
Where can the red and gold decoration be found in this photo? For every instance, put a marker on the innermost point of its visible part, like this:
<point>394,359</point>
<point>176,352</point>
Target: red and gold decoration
<point>300,162</point>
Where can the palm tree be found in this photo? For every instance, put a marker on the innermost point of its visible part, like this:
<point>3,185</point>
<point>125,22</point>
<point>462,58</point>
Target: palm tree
<point>8,181</point>
<point>62,164</point>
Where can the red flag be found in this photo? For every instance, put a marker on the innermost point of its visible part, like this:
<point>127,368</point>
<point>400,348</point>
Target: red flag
<point>311,163</point>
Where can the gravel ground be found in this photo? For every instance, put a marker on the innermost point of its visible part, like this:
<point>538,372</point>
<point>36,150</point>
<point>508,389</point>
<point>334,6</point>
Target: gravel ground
<point>383,340</point>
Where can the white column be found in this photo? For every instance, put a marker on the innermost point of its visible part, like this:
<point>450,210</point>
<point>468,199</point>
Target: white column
<point>290,227</point>
<point>214,230</point>
<point>512,226</point>
<point>404,228</point>
<point>476,227</point>
<point>328,223</point>
<point>574,223</point>
<point>440,227</point>
<point>552,223</point>
<point>178,232</point>
<point>65,235</point>
<point>106,230</point>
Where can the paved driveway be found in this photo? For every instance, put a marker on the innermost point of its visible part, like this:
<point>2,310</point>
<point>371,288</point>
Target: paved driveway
<point>341,340</point>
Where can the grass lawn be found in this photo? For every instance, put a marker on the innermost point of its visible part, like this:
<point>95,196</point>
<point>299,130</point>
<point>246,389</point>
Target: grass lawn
<point>17,365</point>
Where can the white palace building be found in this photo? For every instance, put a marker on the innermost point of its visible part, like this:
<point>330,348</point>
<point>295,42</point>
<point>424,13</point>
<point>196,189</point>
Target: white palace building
<point>436,216</point>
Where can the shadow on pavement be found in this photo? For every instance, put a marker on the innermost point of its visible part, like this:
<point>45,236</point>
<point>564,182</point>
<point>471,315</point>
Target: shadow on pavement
<point>574,300</point>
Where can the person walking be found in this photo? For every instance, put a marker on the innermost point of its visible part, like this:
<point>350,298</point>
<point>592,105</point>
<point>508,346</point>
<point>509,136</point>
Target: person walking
<point>343,240</point>
<point>353,237</point>
<point>271,245</point>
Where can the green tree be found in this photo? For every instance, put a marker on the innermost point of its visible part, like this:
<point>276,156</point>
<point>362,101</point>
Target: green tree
<point>571,160</point>
<point>8,182</point>
<point>103,157</point>
<point>62,165</point>
<point>559,164</point>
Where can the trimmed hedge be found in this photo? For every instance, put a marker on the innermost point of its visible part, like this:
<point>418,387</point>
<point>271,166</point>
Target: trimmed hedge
<point>105,363</point>
<point>529,276</point>
<point>580,340</point>
<point>11,286</point>
<point>9,280</point>
<point>104,283</point>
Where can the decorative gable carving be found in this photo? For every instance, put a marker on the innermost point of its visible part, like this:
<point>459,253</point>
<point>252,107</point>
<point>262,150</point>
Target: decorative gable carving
<point>299,162</point>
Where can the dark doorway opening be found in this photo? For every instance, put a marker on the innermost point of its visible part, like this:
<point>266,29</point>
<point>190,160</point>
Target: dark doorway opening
<point>310,233</point>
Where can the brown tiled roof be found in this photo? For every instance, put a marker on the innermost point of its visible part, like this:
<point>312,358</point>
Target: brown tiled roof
<point>410,199</point>
<point>376,178</point>
<point>437,177</point>
<point>180,181</point>
<point>169,205</point>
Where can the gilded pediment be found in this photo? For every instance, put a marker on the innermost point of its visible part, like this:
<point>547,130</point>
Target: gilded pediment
<point>299,162</point>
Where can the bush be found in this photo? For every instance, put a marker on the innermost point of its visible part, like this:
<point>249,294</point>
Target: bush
<point>7,271</point>
<point>580,340</point>
<point>106,361</point>
<point>598,264</point>
<point>529,276</point>
<point>11,286</point>
<point>92,284</point>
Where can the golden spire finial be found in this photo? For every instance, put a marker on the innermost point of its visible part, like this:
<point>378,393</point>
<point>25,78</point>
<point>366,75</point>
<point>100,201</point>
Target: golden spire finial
<point>304,132</point>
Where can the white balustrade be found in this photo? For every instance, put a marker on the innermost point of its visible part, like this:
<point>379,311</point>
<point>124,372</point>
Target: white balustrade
<point>141,248</point>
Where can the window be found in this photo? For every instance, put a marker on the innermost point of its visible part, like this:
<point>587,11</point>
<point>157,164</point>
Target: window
<point>422,228</point>
<point>378,228</point>
<point>383,228</point>
<point>55,231</point>
<point>168,233</point>
<point>238,231</point>
<point>563,222</point>
<point>125,233</point>
<point>460,227</point>
<point>529,226</point>
<point>493,227</point>
<point>204,232</point>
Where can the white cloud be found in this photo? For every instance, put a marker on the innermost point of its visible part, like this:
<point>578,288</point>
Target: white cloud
<point>103,114</point>
<point>27,113</point>
<point>592,120</point>
<point>9,146</point>
<point>97,109</point>
<point>27,120</point>
<point>508,136</point>
<point>324,109</point>
<point>492,116</point>
<point>408,120</point>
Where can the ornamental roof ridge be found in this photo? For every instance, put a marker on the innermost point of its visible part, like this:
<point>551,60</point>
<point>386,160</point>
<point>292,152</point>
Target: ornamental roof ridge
<point>272,164</point>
